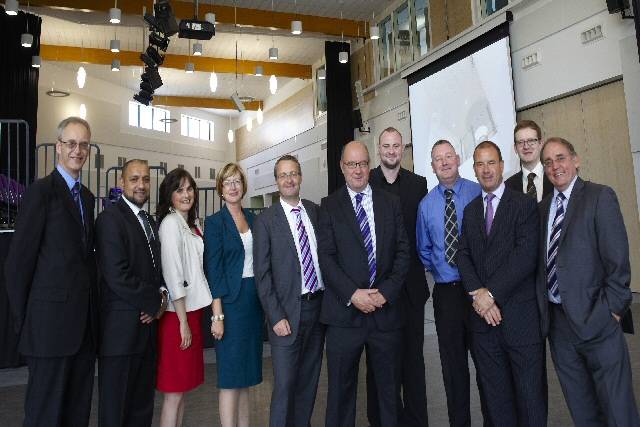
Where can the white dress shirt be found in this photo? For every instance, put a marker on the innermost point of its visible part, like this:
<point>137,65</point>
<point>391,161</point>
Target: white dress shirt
<point>136,210</point>
<point>311,234</point>
<point>247,243</point>
<point>537,181</point>
<point>367,204</point>
<point>498,192</point>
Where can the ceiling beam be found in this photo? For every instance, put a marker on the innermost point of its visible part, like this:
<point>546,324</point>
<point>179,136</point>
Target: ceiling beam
<point>189,101</point>
<point>225,15</point>
<point>201,63</point>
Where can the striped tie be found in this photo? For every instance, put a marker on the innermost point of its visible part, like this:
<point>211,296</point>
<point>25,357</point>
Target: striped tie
<point>363,222</point>
<point>450,228</point>
<point>310,276</point>
<point>552,251</point>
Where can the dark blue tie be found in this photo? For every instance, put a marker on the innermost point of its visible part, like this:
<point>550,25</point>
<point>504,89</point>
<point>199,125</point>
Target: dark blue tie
<point>75,192</point>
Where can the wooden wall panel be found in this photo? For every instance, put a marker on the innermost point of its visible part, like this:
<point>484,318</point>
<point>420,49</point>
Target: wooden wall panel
<point>438,22</point>
<point>459,16</point>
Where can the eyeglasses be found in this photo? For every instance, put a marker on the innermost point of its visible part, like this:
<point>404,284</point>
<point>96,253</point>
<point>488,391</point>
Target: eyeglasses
<point>548,163</point>
<point>528,142</point>
<point>232,183</point>
<point>84,146</point>
<point>447,157</point>
<point>292,174</point>
<point>352,165</point>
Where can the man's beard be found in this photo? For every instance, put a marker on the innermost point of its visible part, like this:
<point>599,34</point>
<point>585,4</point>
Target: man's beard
<point>388,165</point>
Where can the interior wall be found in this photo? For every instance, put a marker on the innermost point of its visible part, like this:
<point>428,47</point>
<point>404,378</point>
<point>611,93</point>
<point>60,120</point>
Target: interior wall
<point>595,122</point>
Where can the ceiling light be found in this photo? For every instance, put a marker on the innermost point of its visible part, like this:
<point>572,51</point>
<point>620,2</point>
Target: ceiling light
<point>197,49</point>
<point>115,65</point>
<point>343,57</point>
<point>57,93</point>
<point>83,111</point>
<point>374,32</point>
<point>259,115</point>
<point>11,7</point>
<point>36,61</point>
<point>114,45</point>
<point>210,17</point>
<point>273,53</point>
<point>230,136</point>
<point>322,74</point>
<point>81,77</point>
<point>273,84</point>
<point>259,70</point>
<point>296,27</point>
<point>249,124</point>
<point>188,67</point>
<point>114,15</point>
<point>26,40</point>
<point>213,81</point>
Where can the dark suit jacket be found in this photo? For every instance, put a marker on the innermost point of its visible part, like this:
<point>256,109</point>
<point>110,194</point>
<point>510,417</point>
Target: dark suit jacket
<point>592,263</point>
<point>411,189</point>
<point>224,254</point>
<point>343,259</point>
<point>505,262</point>
<point>51,271</point>
<point>515,183</point>
<point>129,280</point>
<point>277,267</point>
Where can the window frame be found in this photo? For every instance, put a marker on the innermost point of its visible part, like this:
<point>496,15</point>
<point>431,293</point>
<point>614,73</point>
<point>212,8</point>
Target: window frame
<point>164,127</point>
<point>189,120</point>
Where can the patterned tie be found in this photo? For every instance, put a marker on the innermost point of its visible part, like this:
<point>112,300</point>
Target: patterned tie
<point>450,228</point>
<point>552,250</point>
<point>75,192</point>
<point>488,217</point>
<point>363,222</point>
<point>531,187</point>
<point>309,270</point>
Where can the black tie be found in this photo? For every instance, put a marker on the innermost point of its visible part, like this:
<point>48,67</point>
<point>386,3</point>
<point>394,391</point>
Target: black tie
<point>450,228</point>
<point>150,237</point>
<point>531,187</point>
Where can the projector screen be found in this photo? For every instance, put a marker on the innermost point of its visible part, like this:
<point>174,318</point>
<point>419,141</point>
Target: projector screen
<point>465,103</point>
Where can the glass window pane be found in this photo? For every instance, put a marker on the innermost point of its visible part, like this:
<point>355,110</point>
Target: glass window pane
<point>158,114</point>
<point>133,113</point>
<point>493,6</point>
<point>422,39</point>
<point>204,129</point>
<point>194,127</point>
<point>386,48</point>
<point>146,117</point>
<point>184,125</point>
<point>402,42</point>
<point>321,96</point>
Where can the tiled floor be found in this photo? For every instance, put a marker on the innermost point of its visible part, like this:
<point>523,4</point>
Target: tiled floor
<point>202,409</point>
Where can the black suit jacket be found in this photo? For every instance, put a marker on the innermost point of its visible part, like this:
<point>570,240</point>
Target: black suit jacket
<point>51,270</point>
<point>592,262</point>
<point>129,281</point>
<point>504,262</point>
<point>515,183</point>
<point>344,265</point>
<point>276,267</point>
<point>411,189</point>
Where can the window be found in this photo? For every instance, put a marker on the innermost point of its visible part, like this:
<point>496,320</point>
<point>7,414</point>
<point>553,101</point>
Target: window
<point>194,127</point>
<point>385,47</point>
<point>163,165</point>
<point>212,174</point>
<point>197,172</point>
<point>489,7</point>
<point>147,117</point>
<point>122,161</point>
<point>402,40</point>
<point>321,92</point>
<point>421,20</point>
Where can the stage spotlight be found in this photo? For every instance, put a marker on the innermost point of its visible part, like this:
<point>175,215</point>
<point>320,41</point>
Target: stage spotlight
<point>143,97</point>
<point>152,77</point>
<point>161,42</point>
<point>164,20</point>
<point>152,57</point>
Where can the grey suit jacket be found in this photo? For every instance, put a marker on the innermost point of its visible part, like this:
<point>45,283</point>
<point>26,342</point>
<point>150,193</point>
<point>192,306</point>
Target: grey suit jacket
<point>276,268</point>
<point>592,262</point>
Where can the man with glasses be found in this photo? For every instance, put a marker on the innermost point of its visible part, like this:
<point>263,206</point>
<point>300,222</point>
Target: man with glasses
<point>364,257</point>
<point>290,287</point>
<point>531,179</point>
<point>52,287</point>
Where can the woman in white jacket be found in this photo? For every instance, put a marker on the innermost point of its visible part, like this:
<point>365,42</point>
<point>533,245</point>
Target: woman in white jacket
<point>180,357</point>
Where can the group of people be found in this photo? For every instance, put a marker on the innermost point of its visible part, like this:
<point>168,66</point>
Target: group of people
<point>541,255</point>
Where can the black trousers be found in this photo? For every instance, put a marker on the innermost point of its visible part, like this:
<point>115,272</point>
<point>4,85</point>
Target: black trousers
<point>296,370</point>
<point>60,388</point>
<point>412,395</point>
<point>344,349</point>
<point>595,375</point>
<point>127,387</point>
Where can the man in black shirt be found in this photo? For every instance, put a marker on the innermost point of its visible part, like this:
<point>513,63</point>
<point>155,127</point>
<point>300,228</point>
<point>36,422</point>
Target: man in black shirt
<point>411,188</point>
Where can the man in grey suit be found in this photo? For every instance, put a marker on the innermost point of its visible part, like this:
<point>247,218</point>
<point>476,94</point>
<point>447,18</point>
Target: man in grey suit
<point>583,290</point>
<point>290,287</point>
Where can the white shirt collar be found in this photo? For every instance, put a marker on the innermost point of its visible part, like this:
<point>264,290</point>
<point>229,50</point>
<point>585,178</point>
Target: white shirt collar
<point>567,192</point>
<point>538,170</point>
<point>133,207</point>
<point>498,192</point>
<point>287,207</point>
<point>366,192</point>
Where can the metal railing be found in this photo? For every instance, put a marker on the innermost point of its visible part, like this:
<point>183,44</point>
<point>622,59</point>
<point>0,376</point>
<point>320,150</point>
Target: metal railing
<point>15,171</point>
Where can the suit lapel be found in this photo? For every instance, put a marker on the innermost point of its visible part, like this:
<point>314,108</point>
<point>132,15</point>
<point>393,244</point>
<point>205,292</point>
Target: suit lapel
<point>133,221</point>
<point>65,195</point>
<point>547,187</point>
<point>378,214</point>
<point>349,214</point>
<point>545,205</point>
<point>230,225</point>
<point>282,223</point>
<point>501,214</point>
<point>574,200</point>
<point>520,186</point>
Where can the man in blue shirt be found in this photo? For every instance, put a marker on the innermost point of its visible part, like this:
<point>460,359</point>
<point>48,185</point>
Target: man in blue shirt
<point>437,231</point>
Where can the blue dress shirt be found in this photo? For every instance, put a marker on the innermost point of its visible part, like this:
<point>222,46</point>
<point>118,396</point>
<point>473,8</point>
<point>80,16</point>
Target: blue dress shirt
<point>430,227</point>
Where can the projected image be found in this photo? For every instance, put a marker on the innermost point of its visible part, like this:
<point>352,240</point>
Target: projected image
<point>466,103</point>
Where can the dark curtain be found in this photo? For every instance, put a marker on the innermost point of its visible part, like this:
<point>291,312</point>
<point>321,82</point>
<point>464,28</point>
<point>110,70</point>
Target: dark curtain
<point>18,95</point>
<point>339,109</point>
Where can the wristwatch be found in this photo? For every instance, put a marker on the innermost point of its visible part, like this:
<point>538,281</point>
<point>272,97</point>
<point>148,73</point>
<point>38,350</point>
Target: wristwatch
<point>217,317</point>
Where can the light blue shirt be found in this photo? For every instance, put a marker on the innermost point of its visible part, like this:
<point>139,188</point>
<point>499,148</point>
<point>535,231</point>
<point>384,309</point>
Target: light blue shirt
<point>71,182</point>
<point>430,227</point>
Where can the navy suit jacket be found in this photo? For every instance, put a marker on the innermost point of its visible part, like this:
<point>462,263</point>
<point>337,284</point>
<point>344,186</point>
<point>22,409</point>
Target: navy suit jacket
<point>504,262</point>
<point>515,183</point>
<point>224,254</point>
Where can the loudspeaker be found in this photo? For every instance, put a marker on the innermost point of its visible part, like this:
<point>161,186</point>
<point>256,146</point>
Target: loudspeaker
<point>616,6</point>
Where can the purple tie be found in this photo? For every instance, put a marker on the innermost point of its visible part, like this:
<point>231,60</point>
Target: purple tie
<point>363,222</point>
<point>309,270</point>
<point>488,217</point>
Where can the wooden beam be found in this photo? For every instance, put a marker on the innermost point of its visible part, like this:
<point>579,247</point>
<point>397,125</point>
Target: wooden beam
<point>188,101</point>
<point>224,15</point>
<point>201,63</point>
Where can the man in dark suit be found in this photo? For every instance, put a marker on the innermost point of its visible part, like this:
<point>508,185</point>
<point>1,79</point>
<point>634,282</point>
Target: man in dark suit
<point>133,296</point>
<point>290,287</point>
<point>410,188</point>
<point>497,261</point>
<point>583,291</point>
<point>52,288</point>
<point>364,257</point>
<point>531,180</point>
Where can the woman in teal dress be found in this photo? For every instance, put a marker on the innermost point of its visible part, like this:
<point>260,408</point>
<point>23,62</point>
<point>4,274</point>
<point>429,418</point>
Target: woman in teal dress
<point>237,318</point>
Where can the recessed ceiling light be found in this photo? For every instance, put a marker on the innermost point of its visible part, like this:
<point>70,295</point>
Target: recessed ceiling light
<point>57,93</point>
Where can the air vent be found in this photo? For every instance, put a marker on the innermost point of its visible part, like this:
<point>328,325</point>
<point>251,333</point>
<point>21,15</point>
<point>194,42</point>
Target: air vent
<point>592,34</point>
<point>531,60</point>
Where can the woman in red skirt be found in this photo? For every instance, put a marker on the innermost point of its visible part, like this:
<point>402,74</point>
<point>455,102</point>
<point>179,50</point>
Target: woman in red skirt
<point>180,357</point>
